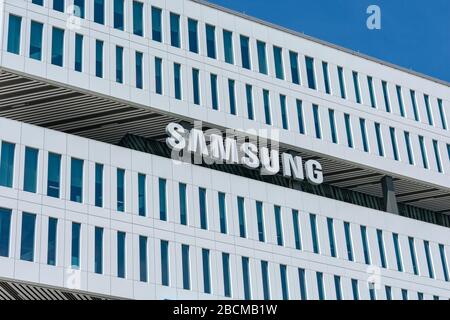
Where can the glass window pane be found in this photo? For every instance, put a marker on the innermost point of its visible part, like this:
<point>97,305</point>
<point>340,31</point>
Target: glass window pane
<point>226,274</point>
<point>57,47</point>
<point>241,216</point>
<point>183,204</point>
<point>165,263</point>
<point>228,46</point>
<point>203,209</point>
<point>214,92</point>
<point>14,32</point>
<point>54,175</point>
<point>27,237</point>
<point>232,96</point>
<point>284,282</point>
<point>78,53</point>
<point>342,82</point>
<point>310,72</point>
<point>139,70</point>
<point>249,96</point>
<point>193,35</point>
<point>142,190</point>
<point>121,254</point>
<point>331,237</point>
<point>143,273</point>
<point>196,85</point>
<point>31,170</point>
<point>348,241</point>
<point>245,52</point>
<point>162,200</point>
<point>175,39</point>
<point>36,40</point>
<point>326,77</point>
<point>386,96</point>
<point>284,116</point>
<point>185,261</point>
<point>279,68</point>
<point>156,24</point>
<point>158,76</point>
<point>177,80</point>
<point>317,124</point>
<point>98,185</point>
<point>262,57</point>
<point>76,180</point>
<point>120,190</point>
<point>206,271</point>
<point>314,235</point>
<point>348,130</point>
<point>119,14</point>
<point>211,41</point>
<point>7,164</point>
<point>99,59</point>
<point>76,242</point>
<point>138,24</point>
<point>99,11</point>
<point>98,252</point>
<point>5,231</point>
<point>267,111</point>
<point>279,226</point>
<point>246,278</point>
<point>260,219</point>
<point>222,213</point>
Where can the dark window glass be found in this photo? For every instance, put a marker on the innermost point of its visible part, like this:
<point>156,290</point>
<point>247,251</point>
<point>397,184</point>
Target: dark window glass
<point>27,237</point>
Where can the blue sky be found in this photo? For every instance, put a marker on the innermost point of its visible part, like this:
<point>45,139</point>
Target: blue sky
<point>414,34</point>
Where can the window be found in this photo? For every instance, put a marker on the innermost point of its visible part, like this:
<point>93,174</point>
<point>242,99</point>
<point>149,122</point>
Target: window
<point>98,185</point>
<point>381,248</point>
<point>320,287</point>
<point>162,200</point>
<point>139,70</point>
<point>143,264</point>
<point>223,213</point>
<point>267,111</point>
<point>338,287</point>
<point>183,204</point>
<point>334,137</point>
<point>58,5</point>
<point>99,11</point>
<point>331,237</point>
<point>317,121</point>
<point>175,40</point>
<point>120,190</point>
<point>348,241</point>
<point>265,279</point>
<point>27,237</point>
<point>284,282</point>
<point>249,96</point>
<point>400,101</point>
<point>397,252</point>
<point>284,116</point>
<point>193,35</point>
<point>119,14</point>
<point>76,180</point>
<point>279,226</point>
<point>138,24</point>
<point>365,244</point>
<point>78,52</point>
<point>142,190</point>
<point>295,70</point>
<point>99,59</point>
<point>7,164</point>
<point>310,72</point>
<point>296,225</point>
<point>206,271</point>
<point>379,137</point>
<point>419,295</point>
<point>246,278</point>
<point>388,293</point>
<point>394,143</point>
<point>372,294</point>
<point>429,259</point>
<point>386,96</point>
<point>448,151</point>
<point>196,86</point>
<point>185,261</point>
<point>31,170</point>
<point>412,251</point>
<point>437,155</point>
<point>36,40</point>
<point>211,41</point>
<point>203,209</point>
<point>214,92</point>
<point>315,238</point>
<point>52,241</point>
<point>121,254</point>
<point>341,82</point>
<point>302,283</point>
<point>348,130</point>
<point>444,262</point>
<point>414,105</point>
<point>98,252</point>
<point>156,24</point>
<point>278,57</point>
<point>226,275</point>
<point>373,101</point>
<point>423,151</point>
<point>442,114</point>
<point>242,220</point>
<point>165,263</point>
<point>158,76</point>
<point>365,141</point>
<point>38,2</point>
<point>54,175</point>
<point>57,47</point>
<point>5,231</point>
<point>262,57</point>
<point>409,148</point>
<point>428,109</point>
<point>260,219</point>
<point>245,52</point>
<point>404,294</point>
<point>177,80</point>
<point>232,96</point>
<point>326,77</point>
<point>356,86</point>
<point>355,289</point>
<point>76,243</point>
<point>14,32</point>
<point>301,122</point>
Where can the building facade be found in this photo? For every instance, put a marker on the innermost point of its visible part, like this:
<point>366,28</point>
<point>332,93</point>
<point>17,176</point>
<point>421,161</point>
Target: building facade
<point>91,203</point>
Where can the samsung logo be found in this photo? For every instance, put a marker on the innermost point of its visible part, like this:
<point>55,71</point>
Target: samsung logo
<point>221,150</point>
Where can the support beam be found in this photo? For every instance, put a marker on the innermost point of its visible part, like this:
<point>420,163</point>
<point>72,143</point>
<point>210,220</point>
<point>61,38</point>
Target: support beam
<point>389,198</point>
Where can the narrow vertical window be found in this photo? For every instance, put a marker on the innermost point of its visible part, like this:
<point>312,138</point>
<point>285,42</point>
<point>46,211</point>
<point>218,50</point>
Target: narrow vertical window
<point>79,8</point>
<point>320,287</point>
<point>158,76</point>
<point>143,264</point>
<point>249,96</point>
<point>356,86</point>
<point>203,209</point>
<point>386,96</point>
<point>444,262</point>
<point>381,248</point>
<point>296,225</point>
<point>206,271</point>
<point>365,141</point>
<point>412,251</point>
<point>338,287</point>
<point>193,35</point>
<point>99,59</point>
<point>429,259</point>
<point>165,263</point>
<point>30,170</point>
<point>78,52</point>
<point>232,96</point>
<point>265,279</point>
<point>373,101</point>
<point>223,213</point>
<point>326,77</point>
<point>119,14</point>
<point>365,245</point>
<point>38,2</point>
<point>428,109</point>
<point>301,121</point>
<point>404,294</point>
<point>99,11</point>
<point>284,116</point>
<point>183,204</point>
<point>414,105</point>
<point>372,294</point>
<point>54,175</point>
<point>138,18</point>
<point>162,199</point>
<point>279,225</point>
<point>262,57</point>
<point>355,289</point>
<point>295,70</point>
<point>226,275</point>
<point>400,101</point>
<point>156,24</point>
<point>185,261</point>
<point>51,241</point>
<point>394,143</point>
<point>246,278</point>
<point>211,41</point>
<point>245,52</point>
<point>175,39</point>
<point>98,185</point>
<point>36,40</point>
<point>423,151</point>
<point>419,296</point>
<point>75,246</point>
<point>57,47</point>
<point>120,190</point>
<point>388,293</point>
<point>14,33</point>
<point>139,70</point>
<point>379,137</point>
<point>317,125</point>
<point>331,237</point>
<point>214,92</point>
<point>437,155</point>
<point>242,219</point>
<point>284,282</point>
<point>7,164</point>
<point>342,82</point>
<point>5,231</point>
<point>58,5</point>
<point>279,67</point>
<point>334,137</point>
<point>348,130</point>
<point>260,220</point>
<point>310,73</point>
<point>302,284</point>
<point>142,190</point>
<point>314,235</point>
<point>27,237</point>
<point>196,86</point>
<point>121,254</point>
<point>76,180</point>
<point>348,241</point>
<point>442,114</point>
<point>177,80</point>
<point>267,111</point>
<point>409,148</point>
<point>98,252</point>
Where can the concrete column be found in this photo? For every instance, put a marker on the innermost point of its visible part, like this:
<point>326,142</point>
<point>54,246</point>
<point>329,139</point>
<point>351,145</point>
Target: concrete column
<point>390,200</point>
